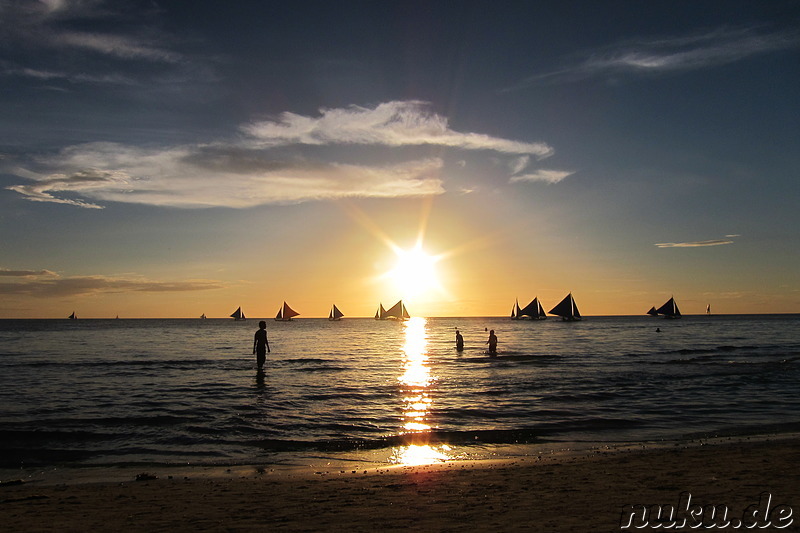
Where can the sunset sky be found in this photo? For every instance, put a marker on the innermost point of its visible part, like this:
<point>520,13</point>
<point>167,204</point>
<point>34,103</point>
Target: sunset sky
<point>167,159</point>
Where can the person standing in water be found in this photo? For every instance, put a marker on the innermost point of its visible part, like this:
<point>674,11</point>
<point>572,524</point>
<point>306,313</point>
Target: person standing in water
<point>459,341</point>
<point>261,344</point>
<point>492,342</point>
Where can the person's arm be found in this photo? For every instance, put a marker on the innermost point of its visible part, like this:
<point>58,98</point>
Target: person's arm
<point>266,339</point>
<point>255,341</point>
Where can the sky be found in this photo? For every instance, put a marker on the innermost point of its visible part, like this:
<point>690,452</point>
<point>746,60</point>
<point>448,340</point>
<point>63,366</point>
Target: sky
<point>172,159</point>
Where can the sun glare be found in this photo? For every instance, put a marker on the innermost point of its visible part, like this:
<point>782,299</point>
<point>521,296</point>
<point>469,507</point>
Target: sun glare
<point>414,274</point>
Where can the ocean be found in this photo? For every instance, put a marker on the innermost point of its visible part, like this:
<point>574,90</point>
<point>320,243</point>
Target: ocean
<point>186,392</point>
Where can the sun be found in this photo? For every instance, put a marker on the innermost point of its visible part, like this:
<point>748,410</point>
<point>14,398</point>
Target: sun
<point>414,274</point>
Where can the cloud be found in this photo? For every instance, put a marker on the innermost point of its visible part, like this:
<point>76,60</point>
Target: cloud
<point>85,285</point>
<point>548,176</point>
<point>255,170</point>
<point>695,244</point>
<point>125,47</point>
<point>26,273</point>
<point>394,124</point>
<point>658,56</point>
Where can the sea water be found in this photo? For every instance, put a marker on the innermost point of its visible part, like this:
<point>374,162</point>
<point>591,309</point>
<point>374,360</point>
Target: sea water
<point>187,392</point>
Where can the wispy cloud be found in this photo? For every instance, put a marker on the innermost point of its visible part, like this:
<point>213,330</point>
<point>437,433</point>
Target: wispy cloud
<point>254,170</point>
<point>85,285</point>
<point>547,176</point>
<point>694,244</point>
<point>4,272</point>
<point>399,123</point>
<point>654,56</point>
<point>41,40</point>
<point>126,47</point>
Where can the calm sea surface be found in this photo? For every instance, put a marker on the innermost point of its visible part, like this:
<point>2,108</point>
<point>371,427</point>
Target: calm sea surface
<point>134,392</point>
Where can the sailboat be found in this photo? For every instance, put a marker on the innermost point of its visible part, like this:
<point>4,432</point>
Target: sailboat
<point>566,309</point>
<point>396,312</point>
<point>203,316</point>
<point>335,313</point>
<point>238,314</point>
<point>669,309</point>
<point>533,310</point>
<point>73,316</point>
<point>285,313</point>
<point>515,310</point>
<point>652,311</point>
<point>708,309</point>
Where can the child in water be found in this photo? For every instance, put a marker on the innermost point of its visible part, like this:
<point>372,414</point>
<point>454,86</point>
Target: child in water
<point>261,344</point>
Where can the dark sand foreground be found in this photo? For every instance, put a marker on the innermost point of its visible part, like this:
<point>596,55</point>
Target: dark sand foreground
<point>582,493</point>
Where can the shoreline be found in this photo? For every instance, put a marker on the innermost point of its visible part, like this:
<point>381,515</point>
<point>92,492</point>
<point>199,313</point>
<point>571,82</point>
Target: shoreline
<point>566,490</point>
<point>304,464</point>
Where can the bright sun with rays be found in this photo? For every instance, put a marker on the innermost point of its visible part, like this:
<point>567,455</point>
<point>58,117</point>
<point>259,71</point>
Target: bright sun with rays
<point>414,273</point>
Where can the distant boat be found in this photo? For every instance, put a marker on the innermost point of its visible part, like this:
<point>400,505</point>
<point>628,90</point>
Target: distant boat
<point>396,312</point>
<point>567,309</point>
<point>708,309</point>
<point>335,313</point>
<point>533,310</point>
<point>669,309</point>
<point>515,310</point>
<point>203,316</point>
<point>237,315</point>
<point>285,313</point>
<point>652,311</point>
<point>73,316</point>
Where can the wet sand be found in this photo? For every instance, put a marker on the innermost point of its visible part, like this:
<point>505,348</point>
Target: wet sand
<point>585,492</point>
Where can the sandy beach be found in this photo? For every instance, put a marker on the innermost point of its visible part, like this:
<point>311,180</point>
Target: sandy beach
<point>580,492</point>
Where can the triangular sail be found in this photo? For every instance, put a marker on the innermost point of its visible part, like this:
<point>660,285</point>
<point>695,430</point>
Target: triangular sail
<point>335,314</point>
<point>380,314</point>
<point>397,311</point>
<point>669,309</point>
<point>288,312</point>
<point>73,316</point>
<point>533,310</point>
<point>652,311</point>
<point>567,309</point>
<point>539,308</point>
<point>238,315</point>
<point>515,310</point>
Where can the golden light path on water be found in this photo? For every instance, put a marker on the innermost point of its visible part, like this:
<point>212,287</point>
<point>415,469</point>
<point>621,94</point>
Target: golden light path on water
<point>415,383</point>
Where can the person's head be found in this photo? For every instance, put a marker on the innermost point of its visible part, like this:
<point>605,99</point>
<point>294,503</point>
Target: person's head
<point>262,325</point>
<point>491,332</point>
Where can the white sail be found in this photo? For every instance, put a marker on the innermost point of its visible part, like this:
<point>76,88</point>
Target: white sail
<point>396,312</point>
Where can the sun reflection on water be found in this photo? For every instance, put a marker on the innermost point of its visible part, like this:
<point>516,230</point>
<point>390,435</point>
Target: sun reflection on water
<point>415,383</point>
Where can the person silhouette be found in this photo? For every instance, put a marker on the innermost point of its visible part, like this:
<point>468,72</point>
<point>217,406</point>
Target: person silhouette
<point>261,344</point>
<point>459,341</point>
<point>492,342</point>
